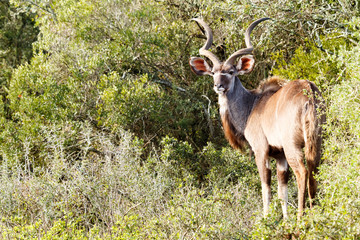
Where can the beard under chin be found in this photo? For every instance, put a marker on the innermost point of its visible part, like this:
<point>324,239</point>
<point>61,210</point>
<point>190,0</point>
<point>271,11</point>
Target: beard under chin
<point>220,92</point>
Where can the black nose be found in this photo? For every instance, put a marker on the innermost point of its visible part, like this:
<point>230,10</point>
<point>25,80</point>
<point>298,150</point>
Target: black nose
<point>219,85</point>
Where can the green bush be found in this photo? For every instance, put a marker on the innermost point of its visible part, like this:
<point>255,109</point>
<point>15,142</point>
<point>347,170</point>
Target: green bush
<point>105,133</point>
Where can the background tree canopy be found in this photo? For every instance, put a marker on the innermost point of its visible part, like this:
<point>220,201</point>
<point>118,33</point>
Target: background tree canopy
<point>106,133</point>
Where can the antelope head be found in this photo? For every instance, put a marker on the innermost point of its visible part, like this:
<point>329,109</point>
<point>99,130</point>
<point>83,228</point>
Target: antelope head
<point>224,73</point>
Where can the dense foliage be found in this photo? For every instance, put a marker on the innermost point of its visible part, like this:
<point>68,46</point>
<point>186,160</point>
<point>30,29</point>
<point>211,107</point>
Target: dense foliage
<point>106,134</point>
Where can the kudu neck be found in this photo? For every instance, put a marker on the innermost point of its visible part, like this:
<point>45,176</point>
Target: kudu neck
<point>239,92</point>
<point>237,103</point>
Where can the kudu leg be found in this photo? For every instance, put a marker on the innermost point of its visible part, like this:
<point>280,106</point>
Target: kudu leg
<point>313,161</point>
<point>295,160</point>
<point>263,164</point>
<point>282,169</point>
<point>312,185</point>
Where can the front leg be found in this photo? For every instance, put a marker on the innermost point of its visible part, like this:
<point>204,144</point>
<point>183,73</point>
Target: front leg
<point>263,164</point>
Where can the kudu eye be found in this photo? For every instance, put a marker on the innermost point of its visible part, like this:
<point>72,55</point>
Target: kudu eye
<point>231,72</point>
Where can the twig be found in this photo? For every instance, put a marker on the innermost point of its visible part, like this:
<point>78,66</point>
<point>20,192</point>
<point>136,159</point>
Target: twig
<point>169,84</point>
<point>44,9</point>
<point>207,113</point>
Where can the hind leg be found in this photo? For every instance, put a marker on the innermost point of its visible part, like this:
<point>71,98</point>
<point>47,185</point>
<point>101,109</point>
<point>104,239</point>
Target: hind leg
<point>312,164</point>
<point>294,157</point>
<point>282,169</point>
<point>312,186</point>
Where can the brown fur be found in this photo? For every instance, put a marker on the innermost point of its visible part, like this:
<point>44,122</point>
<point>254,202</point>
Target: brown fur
<point>235,139</point>
<point>312,123</point>
<point>288,112</point>
<point>271,84</point>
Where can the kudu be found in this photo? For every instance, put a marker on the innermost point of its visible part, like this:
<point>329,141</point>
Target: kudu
<point>276,120</point>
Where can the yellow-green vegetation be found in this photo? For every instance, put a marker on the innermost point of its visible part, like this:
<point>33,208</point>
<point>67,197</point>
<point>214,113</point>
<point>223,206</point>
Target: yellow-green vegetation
<point>106,134</point>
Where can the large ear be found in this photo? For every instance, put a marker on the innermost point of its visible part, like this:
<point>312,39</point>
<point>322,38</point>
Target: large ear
<point>245,64</point>
<point>199,66</point>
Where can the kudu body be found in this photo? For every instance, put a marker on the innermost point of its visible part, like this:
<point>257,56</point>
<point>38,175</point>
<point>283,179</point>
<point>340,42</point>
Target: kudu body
<point>277,120</point>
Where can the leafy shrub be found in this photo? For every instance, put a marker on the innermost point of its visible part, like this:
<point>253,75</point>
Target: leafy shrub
<point>106,134</point>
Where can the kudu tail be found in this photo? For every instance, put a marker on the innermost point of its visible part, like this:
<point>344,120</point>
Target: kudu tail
<point>313,118</point>
<point>312,131</point>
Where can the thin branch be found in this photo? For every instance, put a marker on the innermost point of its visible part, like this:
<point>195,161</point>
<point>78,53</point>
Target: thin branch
<point>169,84</point>
<point>207,113</point>
<point>44,9</point>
